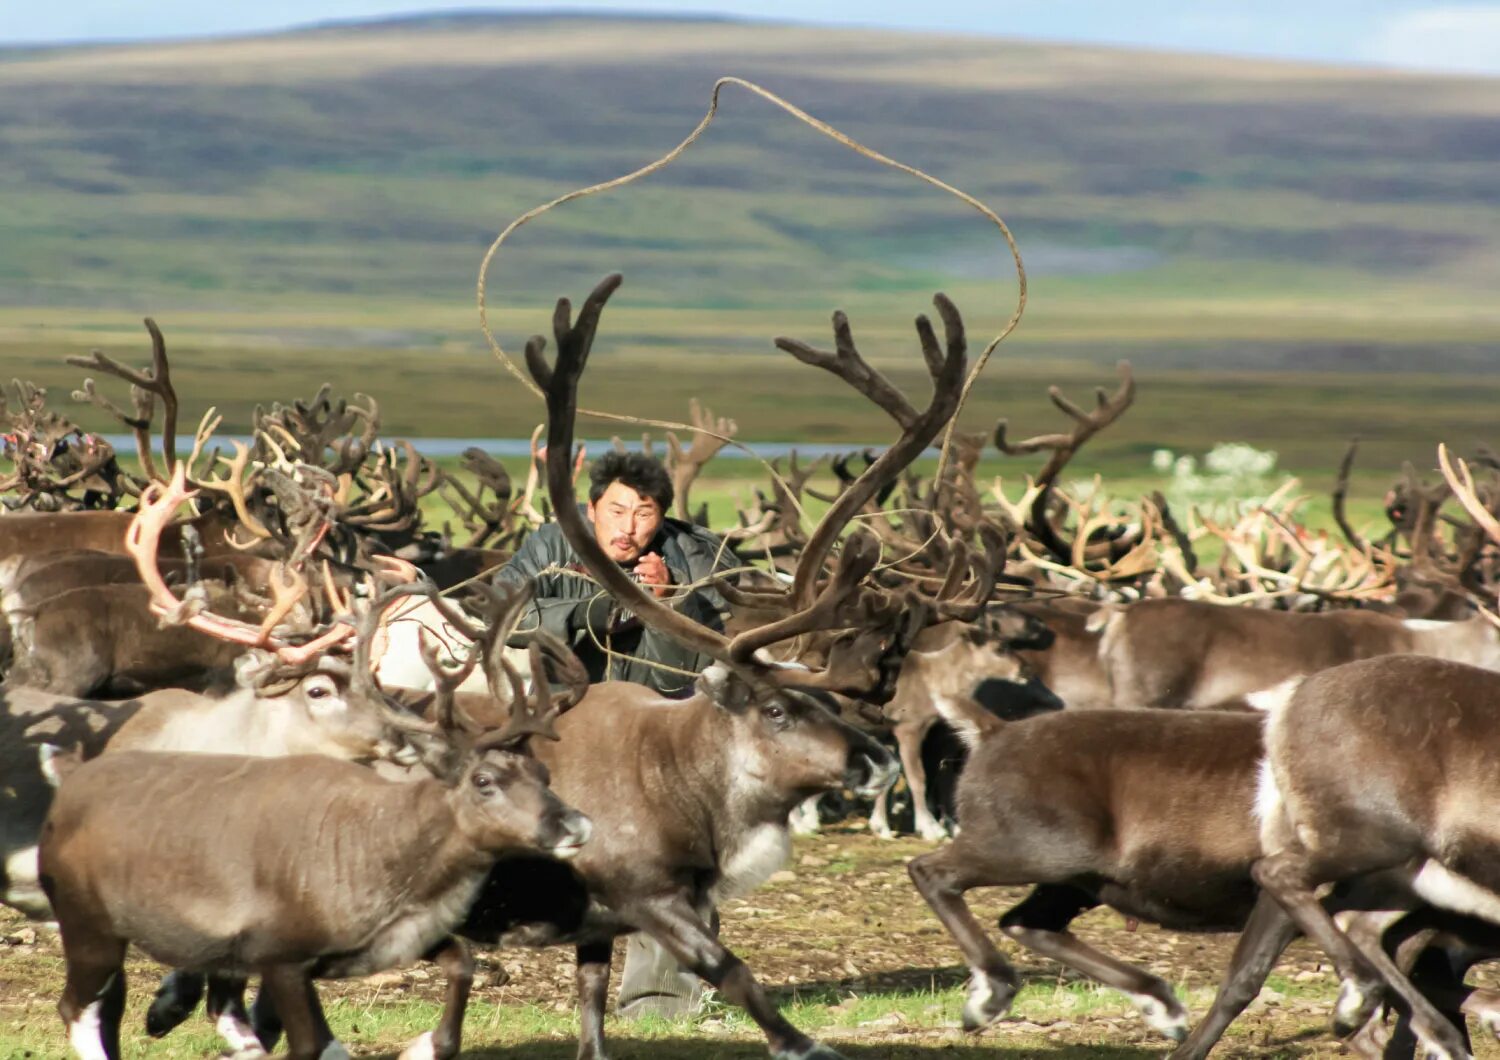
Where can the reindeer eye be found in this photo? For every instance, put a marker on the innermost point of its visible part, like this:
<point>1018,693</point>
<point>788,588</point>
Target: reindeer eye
<point>317,692</point>
<point>484,783</point>
<point>775,713</point>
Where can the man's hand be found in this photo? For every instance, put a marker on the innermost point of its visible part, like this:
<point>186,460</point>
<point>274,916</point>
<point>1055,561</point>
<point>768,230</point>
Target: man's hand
<point>593,614</point>
<point>651,571</point>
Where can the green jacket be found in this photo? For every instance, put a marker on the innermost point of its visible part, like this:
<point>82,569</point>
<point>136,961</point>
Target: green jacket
<point>690,553</point>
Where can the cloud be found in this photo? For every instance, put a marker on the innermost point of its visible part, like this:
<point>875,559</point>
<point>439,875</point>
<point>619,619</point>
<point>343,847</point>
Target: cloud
<point>1455,38</point>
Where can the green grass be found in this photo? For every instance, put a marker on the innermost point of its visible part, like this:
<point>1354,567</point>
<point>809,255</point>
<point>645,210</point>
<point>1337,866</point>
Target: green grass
<point>320,188</point>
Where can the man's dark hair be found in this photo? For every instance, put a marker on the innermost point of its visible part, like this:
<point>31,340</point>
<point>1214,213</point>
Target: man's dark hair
<point>642,473</point>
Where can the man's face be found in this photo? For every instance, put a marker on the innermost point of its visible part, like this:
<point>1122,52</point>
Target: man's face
<point>624,522</point>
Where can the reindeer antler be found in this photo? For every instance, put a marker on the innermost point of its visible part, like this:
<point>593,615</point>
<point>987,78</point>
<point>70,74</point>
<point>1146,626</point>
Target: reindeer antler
<point>144,387</point>
<point>813,609</point>
<point>158,503</point>
<point>712,435</point>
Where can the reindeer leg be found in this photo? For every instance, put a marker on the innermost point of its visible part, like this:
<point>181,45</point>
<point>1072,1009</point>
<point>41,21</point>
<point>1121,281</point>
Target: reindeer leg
<point>307,1034</point>
<point>942,879</point>
<point>909,737</point>
<point>456,961</point>
<point>804,819</point>
<point>673,922</point>
<point>226,1008</point>
<point>1040,923</point>
<point>1268,932</point>
<point>880,813</point>
<point>264,1018</point>
<point>1289,876</point>
<point>93,998</point>
<point>176,997</point>
<point>592,980</point>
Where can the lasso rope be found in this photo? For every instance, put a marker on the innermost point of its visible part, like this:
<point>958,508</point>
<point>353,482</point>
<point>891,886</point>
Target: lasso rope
<point>670,157</point>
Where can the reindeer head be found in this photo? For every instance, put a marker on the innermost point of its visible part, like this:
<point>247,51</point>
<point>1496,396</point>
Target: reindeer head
<point>788,744</point>
<point>319,710</point>
<point>498,790</point>
<point>959,661</point>
<point>501,800</point>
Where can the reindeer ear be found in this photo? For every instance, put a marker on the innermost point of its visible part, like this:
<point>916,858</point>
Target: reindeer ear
<point>725,687</point>
<point>249,667</point>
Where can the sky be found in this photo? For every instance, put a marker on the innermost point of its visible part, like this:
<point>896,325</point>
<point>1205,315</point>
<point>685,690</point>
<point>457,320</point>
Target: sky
<point>1460,36</point>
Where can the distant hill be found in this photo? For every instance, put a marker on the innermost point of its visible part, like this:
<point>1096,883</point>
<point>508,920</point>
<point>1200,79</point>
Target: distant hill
<point>339,183</point>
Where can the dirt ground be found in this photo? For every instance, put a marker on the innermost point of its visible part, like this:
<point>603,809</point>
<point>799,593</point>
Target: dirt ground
<point>847,945</point>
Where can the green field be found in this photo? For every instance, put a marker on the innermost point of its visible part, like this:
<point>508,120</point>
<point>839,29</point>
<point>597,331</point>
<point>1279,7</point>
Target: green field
<point>1291,255</point>
<point>336,188</point>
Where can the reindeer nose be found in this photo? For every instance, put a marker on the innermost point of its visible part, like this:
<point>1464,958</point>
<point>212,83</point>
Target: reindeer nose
<point>576,830</point>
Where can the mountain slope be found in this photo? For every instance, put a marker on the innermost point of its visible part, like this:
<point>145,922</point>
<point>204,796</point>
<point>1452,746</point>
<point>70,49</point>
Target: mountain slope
<point>344,181</point>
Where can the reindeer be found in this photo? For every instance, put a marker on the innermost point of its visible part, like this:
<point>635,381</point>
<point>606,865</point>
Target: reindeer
<point>1343,799</point>
<point>1375,776</point>
<point>1069,664</point>
<point>700,812</point>
<point>1185,653</point>
<point>271,712</point>
<point>1143,811</point>
<point>104,641</point>
<point>363,874</point>
<point>949,661</point>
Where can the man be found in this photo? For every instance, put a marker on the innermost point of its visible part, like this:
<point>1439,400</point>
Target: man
<point>629,496</point>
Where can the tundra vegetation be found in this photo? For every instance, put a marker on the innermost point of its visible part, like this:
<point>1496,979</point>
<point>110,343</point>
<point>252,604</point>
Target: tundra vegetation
<point>1092,599</point>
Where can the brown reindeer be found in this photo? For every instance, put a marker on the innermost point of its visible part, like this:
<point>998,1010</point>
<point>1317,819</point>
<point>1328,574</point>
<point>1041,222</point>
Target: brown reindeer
<point>309,711</point>
<point>1184,653</point>
<point>1070,663</point>
<point>1376,776</point>
<point>105,641</point>
<point>949,661</point>
<point>690,797</point>
<point>701,813</point>
<point>355,875</point>
<point>1144,811</point>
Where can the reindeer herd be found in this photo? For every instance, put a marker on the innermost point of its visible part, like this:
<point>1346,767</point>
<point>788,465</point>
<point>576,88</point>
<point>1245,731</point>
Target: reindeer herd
<point>264,722</point>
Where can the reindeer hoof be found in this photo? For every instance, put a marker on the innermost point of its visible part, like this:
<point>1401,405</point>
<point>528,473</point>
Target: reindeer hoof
<point>988,1000</point>
<point>1164,1017</point>
<point>420,1048</point>
<point>933,832</point>
<point>810,1051</point>
<point>1439,1042</point>
<point>176,998</point>
<point>1355,1006</point>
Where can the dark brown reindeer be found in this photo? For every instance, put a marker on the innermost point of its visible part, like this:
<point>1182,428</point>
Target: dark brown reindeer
<point>105,641</point>
<point>355,875</point>
<point>1143,811</point>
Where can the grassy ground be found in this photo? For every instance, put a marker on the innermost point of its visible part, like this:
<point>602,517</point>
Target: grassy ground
<point>850,950</point>
<point>1307,418</point>
<point>337,188</point>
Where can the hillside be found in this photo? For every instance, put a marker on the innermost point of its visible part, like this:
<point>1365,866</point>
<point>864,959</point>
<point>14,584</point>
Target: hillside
<point>333,189</point>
